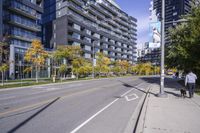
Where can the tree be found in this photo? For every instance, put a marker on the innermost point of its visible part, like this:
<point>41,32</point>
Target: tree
<point>183,52</point>
<point>144,69</point>
<point>81,66</point>
<point>36,55</point>
<point>103,63</point>
<point>62,70</point>
<point>3,69</point>
<point>4,52</point>
<point>67,53</point>
<point>27,70</point>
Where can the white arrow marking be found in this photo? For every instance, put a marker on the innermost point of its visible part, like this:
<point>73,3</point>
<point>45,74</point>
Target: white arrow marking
<point>134,96</point>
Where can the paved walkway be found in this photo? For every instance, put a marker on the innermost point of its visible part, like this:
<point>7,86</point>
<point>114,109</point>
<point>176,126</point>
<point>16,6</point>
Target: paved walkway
<point>173,114</point>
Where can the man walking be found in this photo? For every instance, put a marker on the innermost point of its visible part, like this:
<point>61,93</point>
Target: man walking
<point>190,81</point>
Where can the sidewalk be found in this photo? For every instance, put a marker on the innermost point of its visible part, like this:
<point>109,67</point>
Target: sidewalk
<point>173,114</point>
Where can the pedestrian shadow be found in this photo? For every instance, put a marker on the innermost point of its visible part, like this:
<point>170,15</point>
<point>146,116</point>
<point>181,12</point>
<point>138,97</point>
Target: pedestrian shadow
<point>31,117</point>
<point>174,94</point>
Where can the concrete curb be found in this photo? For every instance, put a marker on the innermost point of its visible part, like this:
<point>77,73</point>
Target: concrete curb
<point>141,120</point>
<point>133,122</point>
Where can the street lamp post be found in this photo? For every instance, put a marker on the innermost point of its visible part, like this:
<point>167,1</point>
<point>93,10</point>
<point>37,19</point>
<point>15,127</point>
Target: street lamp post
<point>162,74</point>
<point>93,60</point>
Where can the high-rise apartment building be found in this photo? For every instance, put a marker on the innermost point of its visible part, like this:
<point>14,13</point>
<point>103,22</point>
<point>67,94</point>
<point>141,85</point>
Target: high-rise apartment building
<point>174,9</point>
<point>147,54</point>
<point>21,21</point>
<point>95,25</point>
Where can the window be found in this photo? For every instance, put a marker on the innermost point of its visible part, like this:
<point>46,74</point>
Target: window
<point>88,48</point>
<point>88,32</point>
<point>96,35</point>
<point>77,27</point>
<point>87,39</point>
<point>76,36</point>
<point>76,44</point>
<point>87,55</point>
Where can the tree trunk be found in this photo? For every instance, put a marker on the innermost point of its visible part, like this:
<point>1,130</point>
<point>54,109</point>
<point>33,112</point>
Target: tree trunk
<point>2,79</point>
<point>36,74</point>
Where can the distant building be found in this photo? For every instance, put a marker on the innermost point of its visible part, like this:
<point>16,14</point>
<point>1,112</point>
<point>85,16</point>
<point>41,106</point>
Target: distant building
<point>95,25</point>
<point>148,55</point>
<point>174,9</point>
<point>21,21</point>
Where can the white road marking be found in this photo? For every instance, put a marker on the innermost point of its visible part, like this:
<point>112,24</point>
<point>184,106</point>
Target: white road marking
<point>38,87</point>
<point>52,89</point>
<point>6,98</point>
<point>88,120</point>
<point>96,114</point>
<point>134,97</point>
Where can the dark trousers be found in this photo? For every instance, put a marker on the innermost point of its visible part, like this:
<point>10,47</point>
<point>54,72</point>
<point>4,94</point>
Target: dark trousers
<point>191,88</point>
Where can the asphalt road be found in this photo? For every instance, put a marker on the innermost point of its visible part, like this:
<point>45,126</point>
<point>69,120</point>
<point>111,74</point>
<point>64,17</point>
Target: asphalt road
<point>98,106</point>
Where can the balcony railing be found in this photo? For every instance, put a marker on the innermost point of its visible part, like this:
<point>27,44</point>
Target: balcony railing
<point>105,12</point>
<point>96,13</point>
<point>80,2</point>
<point>121,22</point>
<point>109,7</point>
<point>22,23</point>
<point>82,20</point>
<point>112,22</point>
<point>22,9</point>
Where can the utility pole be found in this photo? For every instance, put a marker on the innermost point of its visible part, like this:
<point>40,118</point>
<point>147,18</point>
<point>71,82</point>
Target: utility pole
<point>93,57</point>
<point>162,74</point>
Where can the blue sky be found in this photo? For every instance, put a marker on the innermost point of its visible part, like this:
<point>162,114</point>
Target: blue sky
<point>140,10</point>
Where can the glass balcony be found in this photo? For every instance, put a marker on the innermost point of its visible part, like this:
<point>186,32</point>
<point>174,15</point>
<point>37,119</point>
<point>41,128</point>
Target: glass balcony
<point>124,16</point>
<point>109,7</point>
<point>123,28</point>
<point>121,22</point>
<point>80,2</point>
<point>24,23</point>
<point>75,7</point>
<point>112,22</point>
<point>81,19</point>
<point>105,12</point>
<point>97,13</point>
<point>105,24</point>
<point>23,9</point>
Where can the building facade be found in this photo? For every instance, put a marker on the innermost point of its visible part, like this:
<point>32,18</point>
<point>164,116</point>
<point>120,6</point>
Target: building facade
<point>94,25</point>
<point>147,54</point>
<point>21,21</point>
<point>174,9</point>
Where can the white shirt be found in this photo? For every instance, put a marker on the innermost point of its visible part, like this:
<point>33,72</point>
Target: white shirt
<point>190,78</point>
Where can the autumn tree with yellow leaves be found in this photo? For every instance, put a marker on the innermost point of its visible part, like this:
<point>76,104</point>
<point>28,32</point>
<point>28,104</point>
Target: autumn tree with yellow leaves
<point>81,67</point>
<point>3,69</point>
<point>67,53</point>
<point>36,55</point>
<point>103,63</point>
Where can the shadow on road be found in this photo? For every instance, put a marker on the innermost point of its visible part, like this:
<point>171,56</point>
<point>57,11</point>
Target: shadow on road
<point>131,86</point>
<point>31,117</point>
<point>170,83</point>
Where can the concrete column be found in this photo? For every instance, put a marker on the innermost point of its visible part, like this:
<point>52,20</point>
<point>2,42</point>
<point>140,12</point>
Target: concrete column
<point>12,62</point>
<point>49,67</point>
<point>1,19</point>
<point>64,61</point>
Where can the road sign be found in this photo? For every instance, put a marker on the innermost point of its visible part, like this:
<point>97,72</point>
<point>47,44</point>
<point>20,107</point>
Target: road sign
<point>155,36</point>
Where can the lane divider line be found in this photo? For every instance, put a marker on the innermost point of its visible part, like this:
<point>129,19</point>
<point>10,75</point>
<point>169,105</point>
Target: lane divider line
<point>100,111</point>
